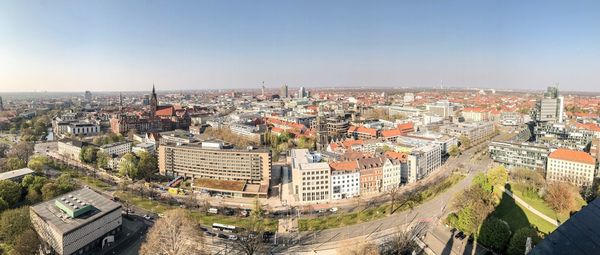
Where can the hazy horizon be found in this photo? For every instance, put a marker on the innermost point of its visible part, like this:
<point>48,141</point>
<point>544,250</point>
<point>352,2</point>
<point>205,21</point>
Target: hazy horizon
<point>108,46</point>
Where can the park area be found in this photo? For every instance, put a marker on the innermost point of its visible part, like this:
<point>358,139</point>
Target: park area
<point>367,213</point>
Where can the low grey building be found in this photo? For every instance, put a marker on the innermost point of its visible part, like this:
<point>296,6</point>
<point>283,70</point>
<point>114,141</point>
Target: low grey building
<point>77,222</point>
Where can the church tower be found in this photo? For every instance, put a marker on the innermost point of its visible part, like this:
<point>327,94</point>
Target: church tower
<point>321,132</point>
<point>153,102</point>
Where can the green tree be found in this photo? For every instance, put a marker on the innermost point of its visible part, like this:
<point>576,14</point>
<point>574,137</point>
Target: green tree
<point>50,190</point>
<point>453,151</point>
<point>33,182</point>
<point>102,160</point>
<point>65,183</point>
<point>14,163</point>
<point>519,239</point>
<point>128,166</point>
<point>147,164</point>
<point>88,154</point>
<point>482,181</point>
<point>494,234</point>
<point>497,176</point>
<point>38,162</point>
<point>33,196</point>
<point>464,141</point>
<point>26,243</point>
<point>10,192</point>
<point>3,205</point>
<point>12,223</point>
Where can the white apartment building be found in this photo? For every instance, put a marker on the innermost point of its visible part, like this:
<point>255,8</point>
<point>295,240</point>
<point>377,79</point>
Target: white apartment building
<point>345,184</point>
<point>83,129</point>
<point>118,148</point>
<point>408,171</point>
<point>576,167</point>
<point>310,179</point>
<point>391,174</point>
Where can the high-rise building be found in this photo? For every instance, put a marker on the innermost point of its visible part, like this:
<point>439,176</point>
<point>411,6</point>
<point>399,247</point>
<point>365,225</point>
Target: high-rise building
<point>301,92</point>
<point>550,108</point>
<point>284,91</point>
<point>1,105</point>
<point>88,96</point>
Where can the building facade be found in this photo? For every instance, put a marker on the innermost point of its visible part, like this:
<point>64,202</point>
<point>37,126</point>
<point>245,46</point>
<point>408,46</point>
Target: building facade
<point>575,167</point>
<point>310,178</point>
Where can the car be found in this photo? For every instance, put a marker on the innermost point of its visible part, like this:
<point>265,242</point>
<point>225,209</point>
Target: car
<point>204,229</point>
<point>232,237</point>
<point>211,234</point>
<point>244,213</point>
<point>333,209</point>
<point>222,236</point>
<point>459,235</point>
<point>147,217</point>
<point>228,212</point>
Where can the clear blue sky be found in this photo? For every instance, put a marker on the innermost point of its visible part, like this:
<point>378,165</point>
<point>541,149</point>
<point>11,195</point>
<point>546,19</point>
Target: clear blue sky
<point>128,45</point>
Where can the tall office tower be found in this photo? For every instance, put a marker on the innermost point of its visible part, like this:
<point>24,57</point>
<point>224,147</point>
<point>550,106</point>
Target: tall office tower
<point>1,105</point>
<point>88,96</point>
<point>283,91</point>
<point>262,90</point>
<point>550,108</point>
<point>301,92</point>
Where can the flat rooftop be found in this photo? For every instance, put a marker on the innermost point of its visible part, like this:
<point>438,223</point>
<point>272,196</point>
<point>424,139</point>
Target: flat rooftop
<point>59,219</point>
<point>15,173</point>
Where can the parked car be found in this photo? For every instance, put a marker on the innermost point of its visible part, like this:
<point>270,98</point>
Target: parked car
<point>333,209</point>
<point>244,213</point>
<point>213,210</point>
<point>147,217</point>
<point>222,236</point>
<point>211,233</point>
<point>232,237</point>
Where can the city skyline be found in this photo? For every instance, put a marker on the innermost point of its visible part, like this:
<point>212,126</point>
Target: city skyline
<point>124,46</point>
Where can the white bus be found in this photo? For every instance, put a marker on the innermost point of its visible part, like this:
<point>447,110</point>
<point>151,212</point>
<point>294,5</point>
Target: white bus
<point>223,227</point>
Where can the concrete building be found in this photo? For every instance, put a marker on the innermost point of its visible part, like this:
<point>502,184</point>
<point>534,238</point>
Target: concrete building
<point>16,175</point>
<point>575,167</point>
<point>215,166</point>
<point>118,148</point>
<point>475,114</point>
<point>550,108</point>
<point>251,132</point>
<point>310,178</point>
<point>519,154</point>
<point>71,148</point>
<point>79,222</point>
<point>283,91</point>
<point>476,132</point>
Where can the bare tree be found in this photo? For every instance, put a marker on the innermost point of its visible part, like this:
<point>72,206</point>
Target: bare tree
<point>393,194</point>
<point>174,234</point>
<point>250,241</point>
<point>359,248</point>
<point>561,197</point>
<point>403,242</point>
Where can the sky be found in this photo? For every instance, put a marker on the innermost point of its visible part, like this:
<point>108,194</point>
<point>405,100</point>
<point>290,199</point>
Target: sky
<point>129,45</point>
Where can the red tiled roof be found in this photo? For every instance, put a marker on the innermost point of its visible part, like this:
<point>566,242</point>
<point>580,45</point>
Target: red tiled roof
<point>165,111</point>
<point>363,130</point>
<point>589,126</point>
<point>391,132</point>
<point>343,166</point>
<point>473,109</point>
<point>571,155</point>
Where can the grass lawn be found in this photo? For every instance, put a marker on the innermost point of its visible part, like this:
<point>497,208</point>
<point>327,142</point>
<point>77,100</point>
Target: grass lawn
<point>208,220</point>
<point>150,205</point>
<point>518,217</point>
<point>201,218</point>
<point>92,182</point>
<point>540,205</point>
<point>345,219</point>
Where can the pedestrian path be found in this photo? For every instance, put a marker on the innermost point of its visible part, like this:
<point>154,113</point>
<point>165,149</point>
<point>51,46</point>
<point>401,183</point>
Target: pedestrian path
<point>530,208</point>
